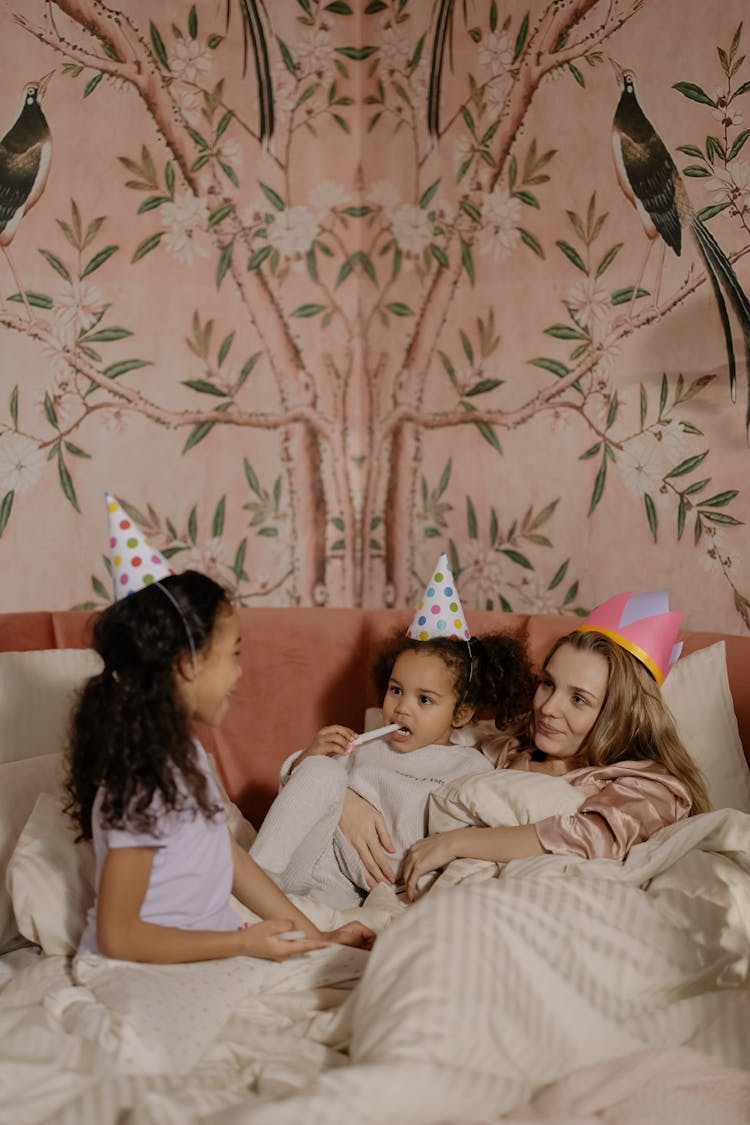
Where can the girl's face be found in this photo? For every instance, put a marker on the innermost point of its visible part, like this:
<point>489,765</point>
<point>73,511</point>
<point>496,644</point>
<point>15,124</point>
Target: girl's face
<point>218,670</point>
<point>568,701</point>
<point>421,697</point>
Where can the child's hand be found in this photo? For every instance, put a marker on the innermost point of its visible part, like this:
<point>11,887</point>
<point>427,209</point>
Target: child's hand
<point>354,934</point>
<point>331,741</point>
<point>263,940</point>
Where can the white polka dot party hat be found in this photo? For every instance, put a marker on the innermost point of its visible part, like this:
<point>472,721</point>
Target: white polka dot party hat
<point>440,613</point>
<point>135,563</point>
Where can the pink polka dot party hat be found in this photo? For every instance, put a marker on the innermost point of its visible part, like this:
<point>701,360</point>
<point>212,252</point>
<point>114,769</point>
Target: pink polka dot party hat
<point>135,563</point>
<point>440,613</point>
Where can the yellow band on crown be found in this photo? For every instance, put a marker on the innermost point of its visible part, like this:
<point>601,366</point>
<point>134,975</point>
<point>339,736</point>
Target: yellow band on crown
<point>634,649</point>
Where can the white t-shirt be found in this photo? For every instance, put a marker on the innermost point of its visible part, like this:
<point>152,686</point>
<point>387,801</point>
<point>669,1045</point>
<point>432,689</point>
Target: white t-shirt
<point>192,874</point>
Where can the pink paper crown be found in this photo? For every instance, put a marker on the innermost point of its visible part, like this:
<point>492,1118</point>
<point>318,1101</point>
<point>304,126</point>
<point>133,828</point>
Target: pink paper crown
<point>135,563</point>
<point>440,613</point>
<point>643,625</point>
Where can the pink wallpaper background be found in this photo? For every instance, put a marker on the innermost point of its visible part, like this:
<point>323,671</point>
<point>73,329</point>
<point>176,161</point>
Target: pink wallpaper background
<point>307,361</point>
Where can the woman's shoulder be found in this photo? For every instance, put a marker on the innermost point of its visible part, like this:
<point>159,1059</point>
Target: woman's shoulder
<point>503,750</point>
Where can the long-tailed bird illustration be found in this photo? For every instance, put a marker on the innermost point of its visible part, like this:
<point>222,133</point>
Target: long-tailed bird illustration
<point>252,32</point>
<point>441,39</point>
<point>649,178</point>
<point>25,155</point>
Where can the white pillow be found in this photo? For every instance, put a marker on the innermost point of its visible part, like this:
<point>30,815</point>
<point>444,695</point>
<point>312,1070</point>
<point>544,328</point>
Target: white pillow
<point>20,785</point>
<point>503,797</point>
<point>51,879</point>
<point>698,695</point>
<point>36,693</point>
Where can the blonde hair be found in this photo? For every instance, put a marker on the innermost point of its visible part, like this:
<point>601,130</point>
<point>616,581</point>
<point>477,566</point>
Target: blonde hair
<point>634,722</point>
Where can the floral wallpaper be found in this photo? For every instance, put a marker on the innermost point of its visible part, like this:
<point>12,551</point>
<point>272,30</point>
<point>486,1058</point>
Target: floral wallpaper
<point>318,289</point>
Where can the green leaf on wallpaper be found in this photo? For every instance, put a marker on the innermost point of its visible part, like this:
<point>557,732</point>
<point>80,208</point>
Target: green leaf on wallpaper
<point>707,213</point>
<point>197,434</point>
<point>100,589</point>
<point>471,519</point>
<point>375,6</point>
<point>49,410</point>
<point>152,203</point>
<point>681,517</point>
<point>571,254</point>
<point>721,518</point>
<point>695,93</point>
<point>203,387</point>
<point>721,499</point>
<point>56,264</point>
<point>123,366</point>
<point>651,516</point>
<point>192,22</point>
<point>450,369</point>
<point>76,451</point>
<point>338,523</point>
<point>258,257</point>
<point>220,214</point>
<point>36,300</point>
<point>428,195</point>
<point>225,348</point>
<point>66,483</point>
<point>470,210</point>
<point>571,593</point>
<point>489,435</point>
<point>687,466</point>
<point>272,196</point>
<point>532,242</point>
<point>92,84</point>
<point>192,527</point>
<point>217,525</point>
<point>340,7</point>
<point>432,533</point>
<point>523,32</point>
<point>358,54</point>
<point>565,332</point>
<point>737,144</point>
<point>467,260</point>
<point>608,259</point>
<point>6,507</point>
<point>147,246</point>
<point>169,177</point>
<point>341,122</point>
<point>158,44</point>
<point>14,406</point>
<point>696,171</point>
<point>106,335</point>
<point>577,74</point>
<point>224,263</point>
<point>552,365</point>
<point>714,148</point>
<point>398,308</point>
<point>599,483</point>
<point>271,533</point>
<point>252,479</point>
<point>562,570</point>
<point>482,387</point>
<point>346,268</point>
<point>238,566</point>
<point>308,310</point>
<point>516,557</point>
<point>414,60</point>
<point>696,486</point>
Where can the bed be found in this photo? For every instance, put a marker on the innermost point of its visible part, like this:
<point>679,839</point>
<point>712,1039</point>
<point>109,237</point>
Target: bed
<point>548,990</point>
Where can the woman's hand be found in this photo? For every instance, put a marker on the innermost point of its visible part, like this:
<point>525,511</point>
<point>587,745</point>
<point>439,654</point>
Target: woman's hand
<point>366,831</point>
<point>263,940</point>
<point>426,855</point>
<point>330,741</point>
<point>354,934</point>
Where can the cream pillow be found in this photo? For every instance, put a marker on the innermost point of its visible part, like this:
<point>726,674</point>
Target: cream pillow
<point>51,878</point>
<point>503,797</point>
<point>36,693</point>
<point>20,785</point>
<point>698,695</point>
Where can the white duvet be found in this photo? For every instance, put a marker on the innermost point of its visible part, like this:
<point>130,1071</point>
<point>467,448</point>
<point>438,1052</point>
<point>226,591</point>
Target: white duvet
<point>542,984</point>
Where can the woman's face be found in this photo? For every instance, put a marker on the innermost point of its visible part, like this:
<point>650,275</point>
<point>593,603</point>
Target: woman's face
<point>568,701</point>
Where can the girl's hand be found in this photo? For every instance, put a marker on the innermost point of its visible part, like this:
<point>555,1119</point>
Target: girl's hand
<point>262,940</point>
<point>426,855</point>
<point>366,831</point>
<point>330,741</point>
<point>354,934</point>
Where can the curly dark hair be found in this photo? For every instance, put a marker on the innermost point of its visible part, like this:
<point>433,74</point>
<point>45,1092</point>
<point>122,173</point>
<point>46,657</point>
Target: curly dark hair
<point>492,674</point>
<point>130,730</point>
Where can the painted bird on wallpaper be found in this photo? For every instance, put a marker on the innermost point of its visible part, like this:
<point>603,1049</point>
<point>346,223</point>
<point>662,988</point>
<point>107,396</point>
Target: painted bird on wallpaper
<point>25,155</point>
<point>650,180</point>
<point>254,34</point>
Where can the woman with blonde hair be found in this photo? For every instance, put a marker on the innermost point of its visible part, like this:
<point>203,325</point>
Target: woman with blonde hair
<point>598,720</point>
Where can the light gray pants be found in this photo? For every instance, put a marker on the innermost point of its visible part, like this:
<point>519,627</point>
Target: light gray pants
<point>299,843</point>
